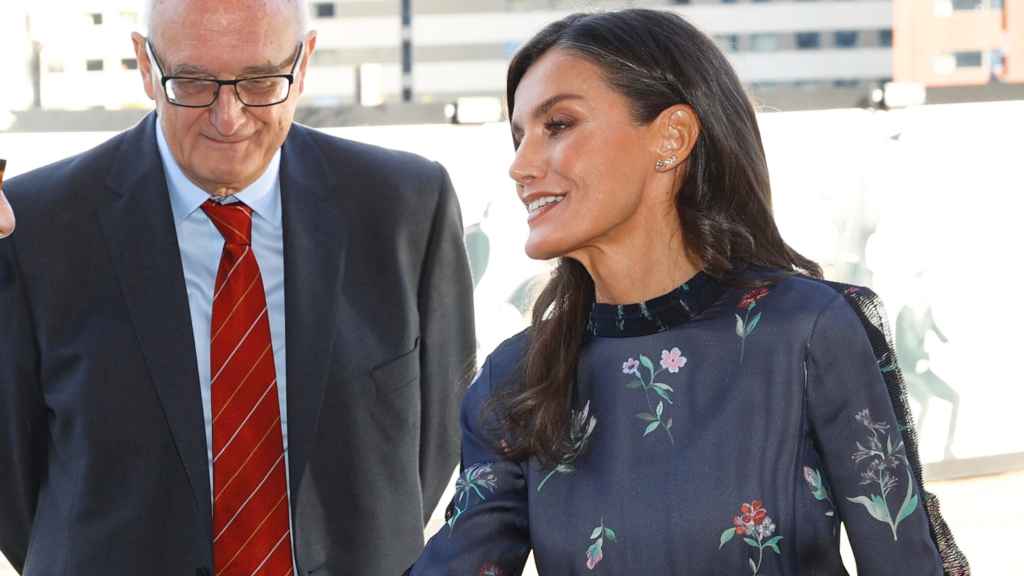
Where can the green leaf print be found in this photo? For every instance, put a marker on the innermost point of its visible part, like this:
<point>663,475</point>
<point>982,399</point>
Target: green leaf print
<point>651,427</point>
<point>909,501</point>
<point>643,373</point>
<point>726,536</point>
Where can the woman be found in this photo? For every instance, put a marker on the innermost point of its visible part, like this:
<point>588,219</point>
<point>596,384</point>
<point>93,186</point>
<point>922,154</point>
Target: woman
<point>690,398</point>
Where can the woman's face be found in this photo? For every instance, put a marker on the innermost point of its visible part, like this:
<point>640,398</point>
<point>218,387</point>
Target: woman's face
<point>582,165</point>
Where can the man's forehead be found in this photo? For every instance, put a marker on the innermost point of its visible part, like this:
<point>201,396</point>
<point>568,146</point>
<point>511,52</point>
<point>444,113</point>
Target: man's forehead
<point>223,38</point>
<point>213,19</point>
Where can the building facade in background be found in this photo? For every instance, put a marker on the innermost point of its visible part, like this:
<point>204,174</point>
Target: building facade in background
<point>84,57</point>
<point>958,42</point>
<point>81,57</point>
<point>463,48</point>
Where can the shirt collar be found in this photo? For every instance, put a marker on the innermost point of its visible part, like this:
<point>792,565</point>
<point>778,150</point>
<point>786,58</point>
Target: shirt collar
<point>263,195</point>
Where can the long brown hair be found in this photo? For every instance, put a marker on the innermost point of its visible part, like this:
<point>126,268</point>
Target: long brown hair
<point>656,60</point>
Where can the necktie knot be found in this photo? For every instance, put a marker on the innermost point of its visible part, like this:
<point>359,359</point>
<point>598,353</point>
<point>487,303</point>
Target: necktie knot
<point>234,221</point>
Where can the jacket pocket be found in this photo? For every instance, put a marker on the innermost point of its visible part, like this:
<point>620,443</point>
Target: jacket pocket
<point>395,374</point>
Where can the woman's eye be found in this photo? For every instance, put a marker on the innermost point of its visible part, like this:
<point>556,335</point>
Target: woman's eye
<point>556,126</point>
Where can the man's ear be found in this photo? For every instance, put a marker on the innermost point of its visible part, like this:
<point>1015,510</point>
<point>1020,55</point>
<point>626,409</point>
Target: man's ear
<point>307,55</point>
<point>146,68</point>
<point>676,131</point>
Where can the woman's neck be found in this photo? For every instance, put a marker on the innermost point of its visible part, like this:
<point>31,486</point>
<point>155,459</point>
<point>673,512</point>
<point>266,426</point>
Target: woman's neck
<point>639,264</point>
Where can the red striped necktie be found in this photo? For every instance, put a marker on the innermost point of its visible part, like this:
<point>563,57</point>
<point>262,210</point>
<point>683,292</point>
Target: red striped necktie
<point>251,535</point>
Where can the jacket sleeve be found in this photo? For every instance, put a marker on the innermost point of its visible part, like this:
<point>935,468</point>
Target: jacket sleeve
<point>861,442</point>
<point>447,344</point>
<point>487,525</point>
<point>23,433</point>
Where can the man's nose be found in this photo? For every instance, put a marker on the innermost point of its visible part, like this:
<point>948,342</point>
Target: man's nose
<point>228,113</point>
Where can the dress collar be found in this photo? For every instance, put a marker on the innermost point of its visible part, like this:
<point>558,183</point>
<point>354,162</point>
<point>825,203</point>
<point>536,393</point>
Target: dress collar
<point>677,307</point>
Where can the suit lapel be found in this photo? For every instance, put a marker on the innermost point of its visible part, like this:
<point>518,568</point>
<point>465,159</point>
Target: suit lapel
<point>314,254</point>
<point>139,229</point>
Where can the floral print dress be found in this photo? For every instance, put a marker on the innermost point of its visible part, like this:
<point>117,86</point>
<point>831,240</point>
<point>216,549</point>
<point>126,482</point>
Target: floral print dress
<point>715,430</point>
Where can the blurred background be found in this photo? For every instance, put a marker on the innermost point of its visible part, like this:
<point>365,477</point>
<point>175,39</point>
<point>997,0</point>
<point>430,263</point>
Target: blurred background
<point>893,134</point>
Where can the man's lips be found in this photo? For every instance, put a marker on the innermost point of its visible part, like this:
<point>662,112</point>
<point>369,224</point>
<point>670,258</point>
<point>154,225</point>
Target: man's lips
<point>227,141</point>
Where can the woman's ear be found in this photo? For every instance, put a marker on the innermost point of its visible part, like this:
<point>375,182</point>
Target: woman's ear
<point>676,131</point>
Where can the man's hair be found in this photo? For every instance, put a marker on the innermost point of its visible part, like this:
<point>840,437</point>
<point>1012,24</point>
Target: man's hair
<point>301,13</point>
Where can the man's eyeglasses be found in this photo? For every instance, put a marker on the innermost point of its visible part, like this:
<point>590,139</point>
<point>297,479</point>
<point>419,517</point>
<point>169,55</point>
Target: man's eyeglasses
<point>252,91</point>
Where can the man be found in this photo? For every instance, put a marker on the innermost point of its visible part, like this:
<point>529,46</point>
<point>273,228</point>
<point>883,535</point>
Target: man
<point>230,345</point>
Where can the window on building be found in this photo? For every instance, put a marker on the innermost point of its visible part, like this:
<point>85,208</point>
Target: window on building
<point>847,83</point>
<point>808,40</point>
<point>728,42</point>
<point>764,42</point>
<point>94,65</point>
<point>967,59</point>
<point>885,38</point>
<point>323,9</point>
<point>129,64</point>
<point>967,4</point>
<point>846,38</point>
<point>96,18</point>
<point>728,1</point>
<point>998,63</point>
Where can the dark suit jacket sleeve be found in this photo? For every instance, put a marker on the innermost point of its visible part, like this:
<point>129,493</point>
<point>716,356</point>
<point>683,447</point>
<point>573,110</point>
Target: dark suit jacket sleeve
<point>22,413</point>
<point>447,343</point>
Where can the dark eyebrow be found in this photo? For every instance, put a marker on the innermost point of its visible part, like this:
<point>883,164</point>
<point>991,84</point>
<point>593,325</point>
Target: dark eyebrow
<point>546,107</point>
<point>271,68</point>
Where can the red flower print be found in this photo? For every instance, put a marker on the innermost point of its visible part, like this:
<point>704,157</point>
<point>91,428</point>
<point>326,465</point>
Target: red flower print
<point>852,290</point>
<point>751,298</point>
<point>753,513</point>
<point>741,528</point>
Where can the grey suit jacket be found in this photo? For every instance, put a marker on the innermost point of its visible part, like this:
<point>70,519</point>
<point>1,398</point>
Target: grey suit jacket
<point>103,466</point>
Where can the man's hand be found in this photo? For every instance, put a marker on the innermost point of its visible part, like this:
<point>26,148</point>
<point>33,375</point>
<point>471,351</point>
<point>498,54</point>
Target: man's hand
<point>6,214</point>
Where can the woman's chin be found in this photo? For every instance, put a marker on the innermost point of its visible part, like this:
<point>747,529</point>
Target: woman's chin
<point>542,248</point>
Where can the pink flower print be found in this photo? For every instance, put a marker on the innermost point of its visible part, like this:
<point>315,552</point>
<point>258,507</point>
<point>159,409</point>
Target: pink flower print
<point>594,556</point>
<point>631,366</point>
<point>672,360</point>
<point>595,552</point>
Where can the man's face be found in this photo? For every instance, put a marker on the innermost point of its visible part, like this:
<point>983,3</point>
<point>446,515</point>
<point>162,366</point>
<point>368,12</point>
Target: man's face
<point>224,147</point>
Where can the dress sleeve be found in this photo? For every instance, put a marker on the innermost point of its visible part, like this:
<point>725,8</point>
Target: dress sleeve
<point>487,527</point>
<point>862,447</point>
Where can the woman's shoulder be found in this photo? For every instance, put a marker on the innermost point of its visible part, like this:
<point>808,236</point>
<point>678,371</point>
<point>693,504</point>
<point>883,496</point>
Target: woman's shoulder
<point>500,369</point>
<point>806,300</point>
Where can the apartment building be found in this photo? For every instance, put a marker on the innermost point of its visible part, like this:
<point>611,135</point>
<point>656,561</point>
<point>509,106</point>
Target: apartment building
<point>958,42</point>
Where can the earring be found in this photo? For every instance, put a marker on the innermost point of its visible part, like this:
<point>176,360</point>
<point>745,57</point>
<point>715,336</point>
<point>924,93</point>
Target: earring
<point>665,163</point>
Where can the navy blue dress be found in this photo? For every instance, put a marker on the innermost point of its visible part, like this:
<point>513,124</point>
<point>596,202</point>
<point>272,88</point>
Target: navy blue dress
<point>716,430</point>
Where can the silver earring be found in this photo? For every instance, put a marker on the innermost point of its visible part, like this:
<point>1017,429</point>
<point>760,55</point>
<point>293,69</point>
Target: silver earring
<point>665,163</point>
